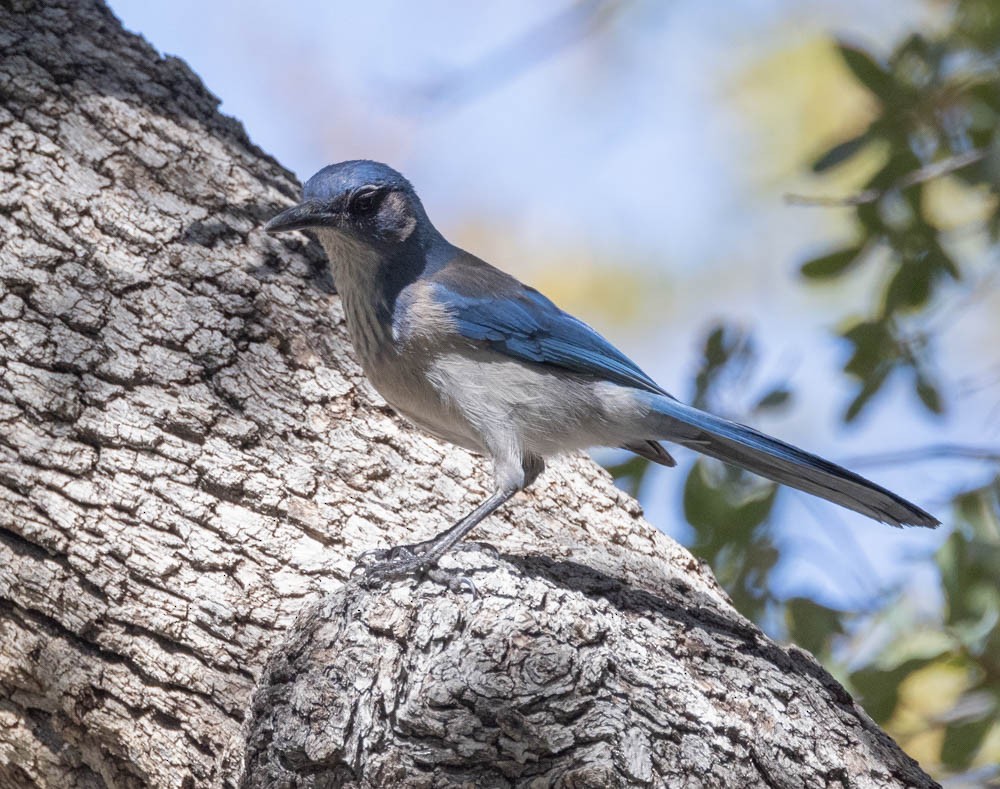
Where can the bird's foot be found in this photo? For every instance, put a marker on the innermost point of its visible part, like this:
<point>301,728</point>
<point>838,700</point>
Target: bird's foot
<point>397,554</point>
<point>382,564</point>
<point>452,578</point>
<point>477,547</point>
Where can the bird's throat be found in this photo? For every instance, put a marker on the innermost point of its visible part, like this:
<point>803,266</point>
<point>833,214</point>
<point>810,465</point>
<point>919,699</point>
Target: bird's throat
<point>357,270</point>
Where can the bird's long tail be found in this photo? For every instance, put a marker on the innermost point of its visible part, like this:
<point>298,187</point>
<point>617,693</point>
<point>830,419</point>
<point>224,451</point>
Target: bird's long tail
<point>745,447</point>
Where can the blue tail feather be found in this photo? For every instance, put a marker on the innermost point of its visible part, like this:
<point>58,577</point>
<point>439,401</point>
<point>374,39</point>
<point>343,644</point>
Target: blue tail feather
<point>743,446</point>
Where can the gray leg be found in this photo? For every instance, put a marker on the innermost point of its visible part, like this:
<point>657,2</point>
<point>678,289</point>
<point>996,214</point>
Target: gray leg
<point>405,559</point>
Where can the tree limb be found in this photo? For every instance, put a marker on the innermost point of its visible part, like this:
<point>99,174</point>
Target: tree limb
<point>559,674</point>
<point>927,173</point>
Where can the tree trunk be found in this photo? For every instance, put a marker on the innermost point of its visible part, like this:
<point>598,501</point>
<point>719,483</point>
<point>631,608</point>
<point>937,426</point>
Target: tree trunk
<point>189,458</point>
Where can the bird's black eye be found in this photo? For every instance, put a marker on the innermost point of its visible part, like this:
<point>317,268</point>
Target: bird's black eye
<point>364,202</point>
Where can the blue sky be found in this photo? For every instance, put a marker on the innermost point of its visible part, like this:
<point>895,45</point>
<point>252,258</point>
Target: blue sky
<point>625,149</point>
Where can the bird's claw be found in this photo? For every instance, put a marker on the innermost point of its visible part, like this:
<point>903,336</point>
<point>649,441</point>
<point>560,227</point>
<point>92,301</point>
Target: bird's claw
<point>378,565</point>
<point>397,553</point>
<point>453,580</point>
<point>480,547</point>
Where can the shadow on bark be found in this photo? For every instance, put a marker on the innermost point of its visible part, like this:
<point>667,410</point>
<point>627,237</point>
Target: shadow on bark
<point>556,675</point>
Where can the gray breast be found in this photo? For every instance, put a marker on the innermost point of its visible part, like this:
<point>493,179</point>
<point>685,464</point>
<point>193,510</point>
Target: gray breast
<point>397,367</point>
<point>356,270</point>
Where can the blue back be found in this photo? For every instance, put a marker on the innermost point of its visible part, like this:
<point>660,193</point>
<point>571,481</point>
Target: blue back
<point>492,307</point>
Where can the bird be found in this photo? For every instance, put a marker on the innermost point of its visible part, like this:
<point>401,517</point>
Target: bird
<point>476,358</point>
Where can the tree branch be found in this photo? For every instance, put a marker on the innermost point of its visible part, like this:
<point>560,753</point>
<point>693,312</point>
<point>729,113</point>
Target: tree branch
<point>559,674</point>
<point>922,454</point>
<point>927,173</point>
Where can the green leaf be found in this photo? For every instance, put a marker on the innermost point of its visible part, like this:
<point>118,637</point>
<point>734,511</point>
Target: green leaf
<point>703,506</point>
<point>969,564</point>
<point>917,58</point>
<point>910,286</point>
<point>716,352</point>
<point>872,343</point>
<point>879,688</point>
<point>928,393</point>
<point>726,348</point>
<point>831,265</point>
<point>872,361</point>
<point>901,162</point>
<point>776,398</point>
<point>962,740</point>
<point>871,219</point>
<point>709,504</point>
<point>841,152</point>
<point>979,20</point>
<point>871,386</point>
<point>868,71</point>
<point>812,625</point>
<point>952,560</point>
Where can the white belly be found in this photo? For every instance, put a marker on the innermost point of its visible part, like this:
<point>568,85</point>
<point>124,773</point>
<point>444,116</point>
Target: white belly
<point>406,386</point>
<point>532,409</point>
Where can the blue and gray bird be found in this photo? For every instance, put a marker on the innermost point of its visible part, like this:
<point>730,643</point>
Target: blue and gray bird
<point>475,357</point>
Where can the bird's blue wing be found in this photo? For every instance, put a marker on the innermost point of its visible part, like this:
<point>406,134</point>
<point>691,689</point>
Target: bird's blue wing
<point>519,321</point>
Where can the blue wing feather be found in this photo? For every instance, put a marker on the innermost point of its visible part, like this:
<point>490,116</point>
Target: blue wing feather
<point>485,306</point>
<point>489,306</point>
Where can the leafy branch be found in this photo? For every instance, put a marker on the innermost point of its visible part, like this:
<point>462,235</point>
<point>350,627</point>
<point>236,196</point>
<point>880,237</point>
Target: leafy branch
<point>922,175</point>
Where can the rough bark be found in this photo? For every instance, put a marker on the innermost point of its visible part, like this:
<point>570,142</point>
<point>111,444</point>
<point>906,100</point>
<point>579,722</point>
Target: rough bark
<point>559,674</point>
<point>189,459</point>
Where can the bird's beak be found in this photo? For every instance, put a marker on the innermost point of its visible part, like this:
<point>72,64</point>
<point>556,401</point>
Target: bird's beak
<point>308,214</point>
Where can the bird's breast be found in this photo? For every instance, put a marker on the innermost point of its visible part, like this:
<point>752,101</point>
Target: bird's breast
<point>405,381</point>
<point>371,334</point>
<point>356,271</point>
<point>399,368</point>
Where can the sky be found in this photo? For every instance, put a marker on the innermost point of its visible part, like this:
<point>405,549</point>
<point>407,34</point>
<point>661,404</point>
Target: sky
<point>631,163</point>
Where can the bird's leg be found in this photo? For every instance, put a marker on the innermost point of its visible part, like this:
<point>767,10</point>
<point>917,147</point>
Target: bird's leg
<point>405,559</point>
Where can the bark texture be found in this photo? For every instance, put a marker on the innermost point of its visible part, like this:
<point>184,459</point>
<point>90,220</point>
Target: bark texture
<point>558,674</point>
<point>189,459</point>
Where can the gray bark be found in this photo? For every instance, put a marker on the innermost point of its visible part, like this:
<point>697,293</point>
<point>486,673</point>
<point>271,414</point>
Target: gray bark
<point>189,459</point>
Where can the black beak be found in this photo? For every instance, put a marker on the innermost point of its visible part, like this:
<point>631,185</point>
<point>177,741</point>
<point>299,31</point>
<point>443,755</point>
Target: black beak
<point>308,214</point>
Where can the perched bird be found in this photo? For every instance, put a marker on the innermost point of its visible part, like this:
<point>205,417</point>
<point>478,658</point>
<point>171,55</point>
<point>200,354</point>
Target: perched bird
<point>477,358</point>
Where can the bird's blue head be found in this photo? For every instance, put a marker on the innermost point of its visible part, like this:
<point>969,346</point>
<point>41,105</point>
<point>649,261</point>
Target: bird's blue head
<point>366,200</point>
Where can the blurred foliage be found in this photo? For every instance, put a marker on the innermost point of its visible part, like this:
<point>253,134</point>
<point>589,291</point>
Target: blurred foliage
<point>932,679</point>
<point>938,114</point>
<point>936,682</point>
